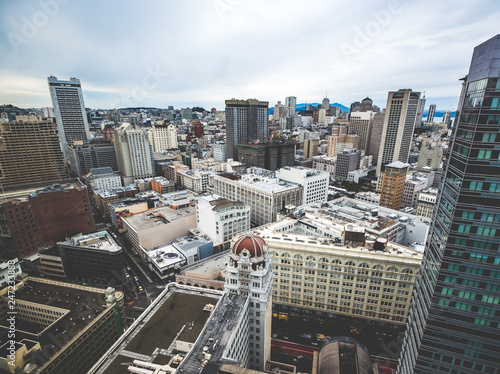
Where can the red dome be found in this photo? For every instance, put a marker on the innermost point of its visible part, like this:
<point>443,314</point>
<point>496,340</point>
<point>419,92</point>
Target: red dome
<point>255,245</point>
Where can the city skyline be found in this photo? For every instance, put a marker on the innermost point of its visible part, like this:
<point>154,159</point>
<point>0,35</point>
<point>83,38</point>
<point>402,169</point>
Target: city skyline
<point>177,54</point>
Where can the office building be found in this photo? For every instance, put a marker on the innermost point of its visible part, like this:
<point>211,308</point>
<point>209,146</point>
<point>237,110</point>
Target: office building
<point>92,259</point>
<point>376,136</point>
<point>71,117</point>
<point>311,148</point>
<point>30,155</point>
<point>338,143</point>
<point>35,218</point>
<point>269,155</point>
<point>430,154</point>
<point>103,197</point>
<point>426,202</point>
<point>222,219</point>
<point>291,105</point>
<point>420,111</point>
<point>196,180</point>
<point>246,121</point>
<point>279,111</point>
<point>158,226</point>
<point>430,113</point>
<point>133,153</point>
<point>348,160</point>
<point>219,151</point>
<point>393,184</point>
<point>360,124</point>
<point>61,328</point>
<point>103,178</point>
<point>314,183</point>
<point>96,154</point>
<point>447,118</point>
<point>166,260</point>
<point>344,274</point>
<point>125,208</point>
<point>163,137</point>
<point>412,188</point>
<point>397,132</point>
<point>454,324</point>
<point>266,196</point>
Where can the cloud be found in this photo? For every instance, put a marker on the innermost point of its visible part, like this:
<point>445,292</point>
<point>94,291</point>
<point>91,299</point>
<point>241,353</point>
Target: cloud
<point>213,50</point>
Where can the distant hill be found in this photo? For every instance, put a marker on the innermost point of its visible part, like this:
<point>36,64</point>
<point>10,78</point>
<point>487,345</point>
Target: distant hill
<point>302,106</point>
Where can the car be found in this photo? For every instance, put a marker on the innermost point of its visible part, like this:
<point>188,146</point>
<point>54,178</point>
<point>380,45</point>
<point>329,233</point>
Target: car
<point>140,288</point>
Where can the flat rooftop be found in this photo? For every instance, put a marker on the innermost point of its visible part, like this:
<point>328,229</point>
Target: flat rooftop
<point>165,256</point>
<point>212,265</point>
<point>80,306</point>
<point>158,216</point>
<point>266,184</point>
<point>151,336</point>
<point>101,241</point>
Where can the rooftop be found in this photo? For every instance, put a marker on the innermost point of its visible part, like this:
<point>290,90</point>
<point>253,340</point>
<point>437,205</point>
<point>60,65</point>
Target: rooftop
<point>101,171</point>
<point>101,241</point>
<point>178,310</point>
<point>398,165</point>
<point>267,184</point>
<point>158,216</point>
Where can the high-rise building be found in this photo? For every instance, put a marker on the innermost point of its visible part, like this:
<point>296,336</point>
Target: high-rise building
<point>270,155</point>
<point>347,160</point>
<point>246,120</point>
<point>454,324</point>
<point>393,184</point>
<point>71,118</point>
<point>447,118</point>
<point>133,153</point>
<point>279,111</point>
<point>360,123</point>
<point>311,148</point>
<point>163,137</point>
<point>96,154</point>
<point>314,182</point>
<point>399,122</point>
<point>420,111</point>
<point>325,103</point>
<point>430,114</point>
<point>30,155</point>
<point>291,105</point>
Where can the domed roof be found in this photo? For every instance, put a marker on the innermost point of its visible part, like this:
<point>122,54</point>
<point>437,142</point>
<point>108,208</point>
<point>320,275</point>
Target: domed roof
<point>255,245</point>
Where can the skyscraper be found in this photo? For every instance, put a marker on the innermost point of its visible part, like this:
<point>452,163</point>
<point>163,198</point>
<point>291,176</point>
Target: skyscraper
<point>420,111</point>
<point>133,153</point>
<point>399,122</point>
<point>454,324</point>
<point>246,120</point>
<point>291,104</point>
<point>430,114</point>
<point>30,154</point>
<point>447,118</point>
<point>71,118</point>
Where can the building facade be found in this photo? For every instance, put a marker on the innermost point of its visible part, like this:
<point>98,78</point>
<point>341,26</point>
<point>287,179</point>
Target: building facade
<point>393,185</point>
<point>133,153</point>
<point>163,137</point>
<point>270,155</point>
<point>30,155</point>
<point>97,154</point>
<point>314,183</point>
<point>266,196</point>
<point>69,108</point>
<point>399,122</point>
<point>246,120</point>
<point>454,326</point>
<point>222,219</point>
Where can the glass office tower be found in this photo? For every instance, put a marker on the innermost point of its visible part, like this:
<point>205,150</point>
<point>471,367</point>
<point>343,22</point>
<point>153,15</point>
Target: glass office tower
<point>454,324</point>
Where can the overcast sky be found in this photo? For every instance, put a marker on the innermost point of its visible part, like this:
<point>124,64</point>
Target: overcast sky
<point>199,53</point>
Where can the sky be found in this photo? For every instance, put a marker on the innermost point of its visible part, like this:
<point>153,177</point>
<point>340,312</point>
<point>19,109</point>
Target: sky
<point>202,52</point>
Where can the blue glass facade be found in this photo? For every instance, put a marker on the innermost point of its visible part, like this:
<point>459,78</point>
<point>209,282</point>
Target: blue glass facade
<point>454,324</point>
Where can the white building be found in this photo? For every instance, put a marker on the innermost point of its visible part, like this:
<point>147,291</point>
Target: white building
<point>69,108</point>
<point>104,178</point>
<point>163,137</point>
<point>426,202</point>
<point>219,151</point>
<point>222,219</point>
<point>133,153</point>
<point>9,270</point>
<point>196,180</point>
<point>266,196</point>
<point>315,183</point>
<point>369,197</point>
<point>412,188</point>
<point>249,273</point>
